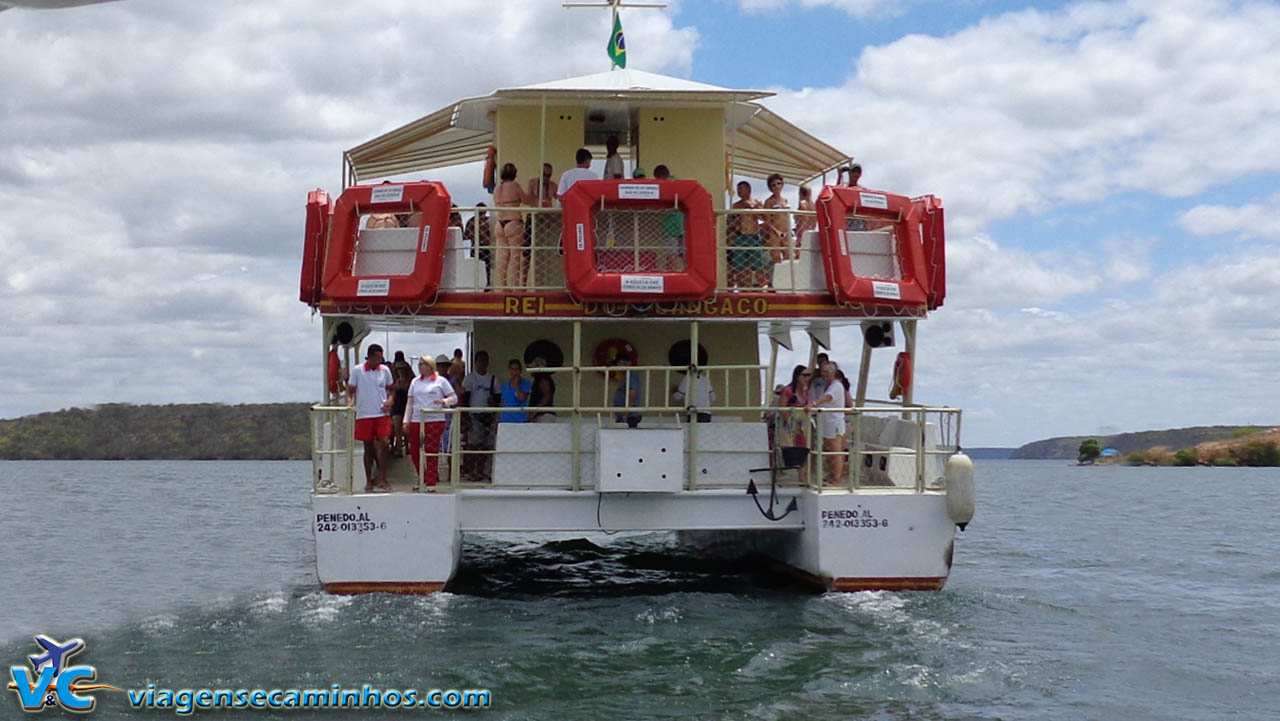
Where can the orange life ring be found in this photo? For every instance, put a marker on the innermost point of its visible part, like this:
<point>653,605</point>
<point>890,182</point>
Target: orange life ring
<point>490,165</point>
<point>316,234</point>
<point>848,282</point>
<point>612,350</point>
<point>592,276</point>
<point>429,201</point>
<point>901,385</point>
<point>334,372</point>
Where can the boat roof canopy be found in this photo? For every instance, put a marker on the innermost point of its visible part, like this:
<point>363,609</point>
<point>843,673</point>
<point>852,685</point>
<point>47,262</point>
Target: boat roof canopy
<point>762,142</point>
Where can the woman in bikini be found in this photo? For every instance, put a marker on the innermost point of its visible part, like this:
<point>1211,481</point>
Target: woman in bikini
<point>775,224</point>
<point>805,223</point>
<point>509,235</point>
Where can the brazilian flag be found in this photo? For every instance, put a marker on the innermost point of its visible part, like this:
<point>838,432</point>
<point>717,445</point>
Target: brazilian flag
<point>618,44</point>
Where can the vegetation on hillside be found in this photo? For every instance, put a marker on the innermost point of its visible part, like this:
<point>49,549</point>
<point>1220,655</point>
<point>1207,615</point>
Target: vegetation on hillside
<point>119,431</point>
<point>1257,448</point>
<point>1141,442</point>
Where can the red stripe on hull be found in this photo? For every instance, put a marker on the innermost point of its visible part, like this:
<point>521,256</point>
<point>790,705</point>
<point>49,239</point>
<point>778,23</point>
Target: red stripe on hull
<point>353,587</point>
<point>887,584</point>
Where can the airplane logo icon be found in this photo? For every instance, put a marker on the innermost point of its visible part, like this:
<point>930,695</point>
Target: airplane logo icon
<point>54,653</point>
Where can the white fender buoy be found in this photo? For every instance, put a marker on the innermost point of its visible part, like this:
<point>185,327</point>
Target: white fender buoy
<point>960,493</point>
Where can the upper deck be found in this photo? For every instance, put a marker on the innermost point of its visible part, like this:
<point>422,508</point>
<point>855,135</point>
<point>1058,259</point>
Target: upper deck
<point>729,263</point>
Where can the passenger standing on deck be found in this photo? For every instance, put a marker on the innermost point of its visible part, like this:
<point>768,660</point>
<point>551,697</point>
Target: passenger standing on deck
<point>542,395</point>
<point>428,394</point>
<point>403,375</point>
<point>854,171</point>
<point>541,225</point>
<point>515,393</point>
<point>480,234</point>
<point>479,390</point>
<point>510,236</point>
<point>793,424</point>
<point>457,369</point>
<point>833,426</point>
<point>628,394</point>
<point>672,230</point>
<point>747,258</point>
<point>805,223</point>
<point>776,224</point>
<point>573,175</point>
<point>612,160</point>
<point>369,389</point>
<point>703,395</point>
<point>819,385</point>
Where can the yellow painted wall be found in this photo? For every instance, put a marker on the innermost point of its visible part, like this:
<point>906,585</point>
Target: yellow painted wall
<point>689,141</point>
<point>516,132</point>
<point>726,343</point>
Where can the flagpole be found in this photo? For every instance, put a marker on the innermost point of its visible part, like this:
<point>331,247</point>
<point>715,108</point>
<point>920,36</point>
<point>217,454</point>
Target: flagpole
<point>613,5</point>
<point>613,64</point>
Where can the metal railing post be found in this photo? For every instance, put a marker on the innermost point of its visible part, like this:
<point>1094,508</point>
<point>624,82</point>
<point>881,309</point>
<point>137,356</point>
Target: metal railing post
<point>455,447</point>
<point>919,443</point>
<point>575,461</point>
<point>690,381</point>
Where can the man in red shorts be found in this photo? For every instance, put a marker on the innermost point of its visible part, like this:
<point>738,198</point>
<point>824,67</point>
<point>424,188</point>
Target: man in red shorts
<point>370,390</point>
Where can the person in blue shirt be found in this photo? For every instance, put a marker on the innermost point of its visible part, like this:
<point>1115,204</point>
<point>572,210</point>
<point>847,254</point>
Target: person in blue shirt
<point>515,393</point>
<point>629,394</point>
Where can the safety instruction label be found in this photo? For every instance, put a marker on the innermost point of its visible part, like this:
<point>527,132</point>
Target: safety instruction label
<point>634,191</point>
<point>643,284</point>
<point>387,194</point>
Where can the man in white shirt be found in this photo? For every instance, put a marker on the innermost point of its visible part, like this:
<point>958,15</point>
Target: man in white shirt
<point>573,175</point>
<point>703,396</point>
<point>369,389</point>
<point>612,161</point>
<point>479,389</point>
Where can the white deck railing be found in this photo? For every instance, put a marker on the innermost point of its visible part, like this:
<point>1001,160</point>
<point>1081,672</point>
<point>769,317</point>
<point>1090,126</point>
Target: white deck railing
<point>884,447</point>
<point>781,261</point>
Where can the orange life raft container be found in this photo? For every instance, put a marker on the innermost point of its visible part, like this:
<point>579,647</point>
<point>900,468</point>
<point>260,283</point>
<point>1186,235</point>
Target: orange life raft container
<point>934,238</point>
<point>901,276</point>
<point>319,208</point>
<point>419,281</point>
<point>593,276</point>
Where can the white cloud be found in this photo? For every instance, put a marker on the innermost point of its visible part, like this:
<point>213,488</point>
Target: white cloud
<point>1029,110</point>
<point>856,8</point>
<point>981,273</point>
<point>154,160</point>
<point>1251,220</point>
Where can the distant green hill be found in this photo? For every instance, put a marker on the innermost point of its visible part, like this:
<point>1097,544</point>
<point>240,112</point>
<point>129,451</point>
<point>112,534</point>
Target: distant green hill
<point>201,431</point>
<point>1176,438</point>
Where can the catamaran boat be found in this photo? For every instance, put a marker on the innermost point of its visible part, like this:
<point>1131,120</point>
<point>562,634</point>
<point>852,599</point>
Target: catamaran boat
<point>662,277</point>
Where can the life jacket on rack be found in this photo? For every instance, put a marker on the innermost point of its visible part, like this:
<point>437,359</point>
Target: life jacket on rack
<point>871,247</point>
<point>387,265</point>
<point>630,273</point>
<point>933,237</point>
<point>319,208</point>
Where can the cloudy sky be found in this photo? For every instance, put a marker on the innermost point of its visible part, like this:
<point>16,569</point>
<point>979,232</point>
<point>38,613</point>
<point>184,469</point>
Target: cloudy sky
<point>1109,171</point>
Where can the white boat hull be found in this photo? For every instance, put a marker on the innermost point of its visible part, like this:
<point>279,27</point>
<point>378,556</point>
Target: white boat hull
<point>841,541</point>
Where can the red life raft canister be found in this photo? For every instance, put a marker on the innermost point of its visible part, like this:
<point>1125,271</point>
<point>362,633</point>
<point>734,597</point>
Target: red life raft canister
<point>593,276</point>
<point>899,277</point>
<point>316,233</point>
<point>416,276</point>
<point>934,238</point>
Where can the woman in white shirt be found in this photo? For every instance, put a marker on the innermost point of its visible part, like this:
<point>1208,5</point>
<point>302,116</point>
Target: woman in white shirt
<point>428,393</point>
<point>833,426</point>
